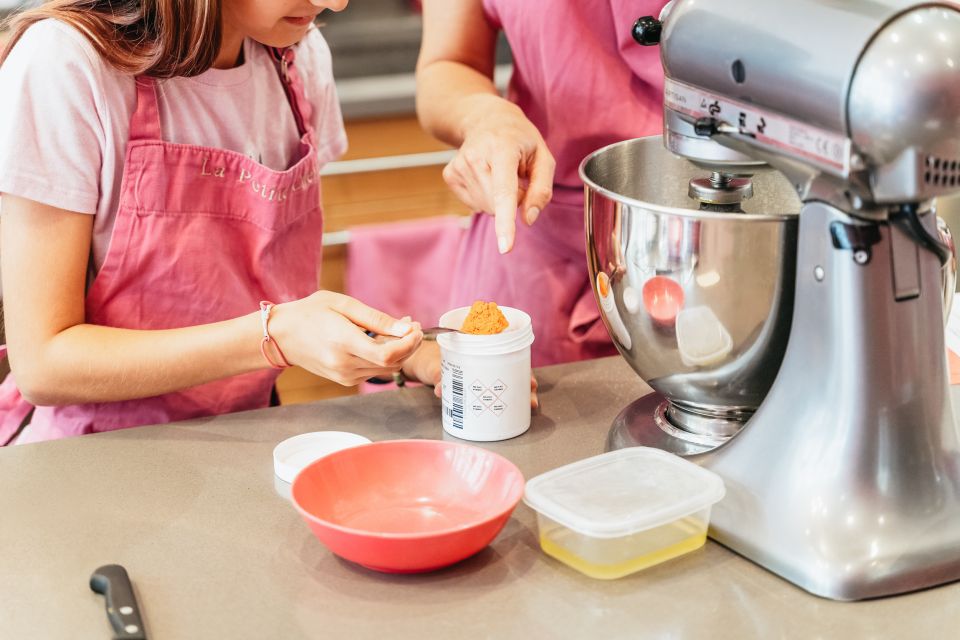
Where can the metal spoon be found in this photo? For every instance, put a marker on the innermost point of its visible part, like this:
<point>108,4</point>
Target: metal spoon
<point>433,332</point>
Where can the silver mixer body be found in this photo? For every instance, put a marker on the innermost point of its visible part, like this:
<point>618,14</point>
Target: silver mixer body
<point>846,479</point>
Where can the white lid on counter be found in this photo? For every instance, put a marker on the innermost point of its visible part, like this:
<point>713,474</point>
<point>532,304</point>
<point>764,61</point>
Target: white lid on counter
<point>293,454</point>
<point>622,492</point>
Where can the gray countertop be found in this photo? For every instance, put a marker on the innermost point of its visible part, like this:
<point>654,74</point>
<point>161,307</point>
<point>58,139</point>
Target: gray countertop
<point>192,511</point>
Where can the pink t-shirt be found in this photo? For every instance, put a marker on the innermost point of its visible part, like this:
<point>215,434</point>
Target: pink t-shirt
<point>65,118</point>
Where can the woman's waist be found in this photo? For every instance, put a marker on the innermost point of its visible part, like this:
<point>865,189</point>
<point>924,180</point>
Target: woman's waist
<point>559,228</point>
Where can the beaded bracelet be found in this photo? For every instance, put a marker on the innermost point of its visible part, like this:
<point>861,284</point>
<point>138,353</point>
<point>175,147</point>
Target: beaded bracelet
<point>268,340</point>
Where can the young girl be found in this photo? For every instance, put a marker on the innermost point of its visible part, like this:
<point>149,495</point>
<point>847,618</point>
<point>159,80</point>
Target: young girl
<point>161,218</point>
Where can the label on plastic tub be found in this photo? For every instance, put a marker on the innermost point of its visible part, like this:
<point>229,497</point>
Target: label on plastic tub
<point>481,403</point>
<point>452,395</point>
<point>475,398</point>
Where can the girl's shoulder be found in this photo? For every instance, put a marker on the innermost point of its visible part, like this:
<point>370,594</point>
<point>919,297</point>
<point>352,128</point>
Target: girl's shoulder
<point>58,94</point>
<point>313,53</point>
<point>52,44</point>
<point>53,59</point>
<point>316,68</point>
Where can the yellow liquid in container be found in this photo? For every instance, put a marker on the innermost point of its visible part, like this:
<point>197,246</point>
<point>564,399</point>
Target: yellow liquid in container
<point>608,559</point>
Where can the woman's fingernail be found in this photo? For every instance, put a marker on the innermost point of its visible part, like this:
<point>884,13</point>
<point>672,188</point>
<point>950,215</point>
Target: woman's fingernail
<point>401,329</point>
<point>532,214</point>
<point>503,244</point>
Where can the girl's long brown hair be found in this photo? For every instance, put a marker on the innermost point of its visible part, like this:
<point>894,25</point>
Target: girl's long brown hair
<point>160,38</point>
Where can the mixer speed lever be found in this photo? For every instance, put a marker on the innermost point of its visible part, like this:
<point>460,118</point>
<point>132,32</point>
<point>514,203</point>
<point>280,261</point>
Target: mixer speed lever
<point>858,238</point>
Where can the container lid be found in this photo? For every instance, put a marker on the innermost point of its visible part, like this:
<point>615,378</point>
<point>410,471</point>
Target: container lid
<point>518,335</point>
<point>293,454</point>
<point>622,492</point>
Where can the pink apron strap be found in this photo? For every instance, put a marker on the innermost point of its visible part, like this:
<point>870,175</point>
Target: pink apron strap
<point>293,87</point>
<point>13,408</point>
<point>145,123</point>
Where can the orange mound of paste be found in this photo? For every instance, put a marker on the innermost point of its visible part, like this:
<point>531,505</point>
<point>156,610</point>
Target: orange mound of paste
<point>485,318</point>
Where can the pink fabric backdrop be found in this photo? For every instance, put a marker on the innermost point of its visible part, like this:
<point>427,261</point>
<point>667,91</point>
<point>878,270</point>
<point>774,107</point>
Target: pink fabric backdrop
<point>404,269</point>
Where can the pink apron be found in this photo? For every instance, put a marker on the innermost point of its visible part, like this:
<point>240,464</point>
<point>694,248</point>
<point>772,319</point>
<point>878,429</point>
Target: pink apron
<point>201,235</point>
<point>583,81</point>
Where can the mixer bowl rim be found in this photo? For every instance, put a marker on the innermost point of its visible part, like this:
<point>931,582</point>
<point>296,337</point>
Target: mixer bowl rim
<point>676,211</point>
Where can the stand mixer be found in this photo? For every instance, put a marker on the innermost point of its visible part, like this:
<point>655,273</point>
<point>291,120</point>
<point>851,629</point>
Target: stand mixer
<point>793,316</point>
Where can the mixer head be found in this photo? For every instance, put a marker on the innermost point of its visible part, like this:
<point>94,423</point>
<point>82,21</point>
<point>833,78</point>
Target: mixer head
<point>858,102</point>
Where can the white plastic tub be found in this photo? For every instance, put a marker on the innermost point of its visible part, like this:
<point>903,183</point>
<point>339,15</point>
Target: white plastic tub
<point>485,379</point>
<point>620,512</point>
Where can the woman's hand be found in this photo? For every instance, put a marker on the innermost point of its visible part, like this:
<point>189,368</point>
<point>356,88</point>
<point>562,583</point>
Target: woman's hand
<point>325,333</point>
<point>503,163</point>
<point>424,366</point>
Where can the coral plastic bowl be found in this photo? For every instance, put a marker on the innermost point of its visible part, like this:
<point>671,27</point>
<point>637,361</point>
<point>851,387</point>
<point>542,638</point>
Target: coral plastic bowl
<point>406,506</point>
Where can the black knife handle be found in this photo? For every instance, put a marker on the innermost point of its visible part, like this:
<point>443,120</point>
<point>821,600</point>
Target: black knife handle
<point>113,583</point>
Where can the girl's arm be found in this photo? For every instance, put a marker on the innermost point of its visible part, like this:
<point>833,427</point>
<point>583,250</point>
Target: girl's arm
<point>503,160</point>
<point>59,359</point>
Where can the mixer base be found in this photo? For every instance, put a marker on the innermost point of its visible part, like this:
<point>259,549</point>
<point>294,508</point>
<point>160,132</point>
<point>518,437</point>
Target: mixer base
<point>644,423</point>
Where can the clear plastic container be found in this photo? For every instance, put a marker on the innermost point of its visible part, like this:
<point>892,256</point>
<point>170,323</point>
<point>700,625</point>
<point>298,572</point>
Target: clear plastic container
<point>623,511</point>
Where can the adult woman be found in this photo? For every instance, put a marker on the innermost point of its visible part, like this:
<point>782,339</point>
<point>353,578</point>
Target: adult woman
<point>580,82</point>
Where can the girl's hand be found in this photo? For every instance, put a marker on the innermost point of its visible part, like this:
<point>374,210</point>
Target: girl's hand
<point>325,333</point>
<point>424,366</point>
<point>502,163</point>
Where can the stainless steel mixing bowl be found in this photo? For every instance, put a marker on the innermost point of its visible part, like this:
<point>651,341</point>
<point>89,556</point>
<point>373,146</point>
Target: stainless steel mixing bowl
<point>698,302</point>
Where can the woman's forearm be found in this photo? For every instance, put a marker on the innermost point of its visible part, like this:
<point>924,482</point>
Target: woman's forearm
<point>455,88</point>
<point>503,163</point>
<point>90,363</point>
<point>452,96</point>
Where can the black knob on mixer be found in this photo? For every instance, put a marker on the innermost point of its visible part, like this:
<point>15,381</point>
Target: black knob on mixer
<point>646,31</point>
<point>706,127</point>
